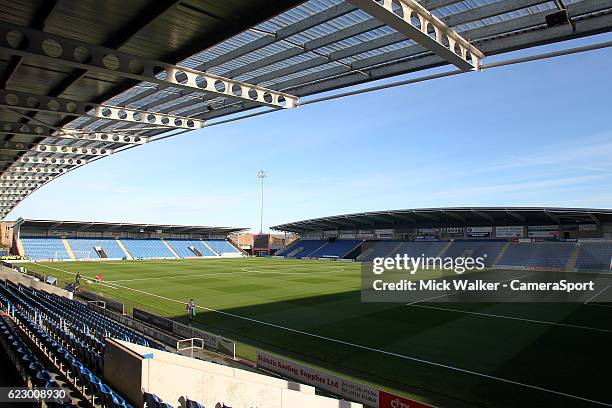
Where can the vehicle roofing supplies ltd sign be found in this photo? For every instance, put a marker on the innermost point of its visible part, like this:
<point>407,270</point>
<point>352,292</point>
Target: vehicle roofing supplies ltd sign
<point>349,390</point>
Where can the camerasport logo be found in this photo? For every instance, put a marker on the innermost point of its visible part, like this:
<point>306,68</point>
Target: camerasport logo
<point>386,400</point>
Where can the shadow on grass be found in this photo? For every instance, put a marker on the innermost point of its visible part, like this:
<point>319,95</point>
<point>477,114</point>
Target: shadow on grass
<point>331,329</point>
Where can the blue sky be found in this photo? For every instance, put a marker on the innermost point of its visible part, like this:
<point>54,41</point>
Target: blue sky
<point>536,134</point>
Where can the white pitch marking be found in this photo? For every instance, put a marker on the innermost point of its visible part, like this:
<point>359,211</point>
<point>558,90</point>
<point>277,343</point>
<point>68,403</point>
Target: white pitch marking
<point>72,273</point>
<point>449,367</point>
<point>597,294</point>
<point>229,273</point>
<point>454,293</point>
<point>513,318</point>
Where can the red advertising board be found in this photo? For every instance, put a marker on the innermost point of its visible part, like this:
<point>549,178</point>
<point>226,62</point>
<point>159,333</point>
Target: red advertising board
<point>386,400</point>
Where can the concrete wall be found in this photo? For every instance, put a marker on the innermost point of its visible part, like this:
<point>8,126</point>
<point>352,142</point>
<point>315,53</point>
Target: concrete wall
<point>173,377</point>
<point>30,281</point>
<point>123,370</point>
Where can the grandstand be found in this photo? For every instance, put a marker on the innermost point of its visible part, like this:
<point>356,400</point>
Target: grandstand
<point>579,240</point>
<point>82,81</point>
<point>74,240</point>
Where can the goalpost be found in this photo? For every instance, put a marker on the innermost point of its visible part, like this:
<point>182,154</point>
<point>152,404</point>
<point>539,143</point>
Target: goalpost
<point>81,255</point>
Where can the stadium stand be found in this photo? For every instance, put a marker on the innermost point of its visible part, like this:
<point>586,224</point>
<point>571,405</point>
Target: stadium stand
<point>594,256</point>
<point>147,248</point>
<point>485,249</point>
<point>71,337</point>
<point>377,249</point>
<point>335,249</point>
<point>546,255</point>
<point>421,248</point>
<point>183,248</point>
<point>82,246</point>
<point>221,246</point>
<point>304,248</point>
<point>38,248</point>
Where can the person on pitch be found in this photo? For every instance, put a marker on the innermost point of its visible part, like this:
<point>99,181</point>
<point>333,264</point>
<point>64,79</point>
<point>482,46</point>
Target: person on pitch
<point>191,310</point>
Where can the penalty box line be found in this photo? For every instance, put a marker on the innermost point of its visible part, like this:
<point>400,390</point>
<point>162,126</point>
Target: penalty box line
<point>389,353</point>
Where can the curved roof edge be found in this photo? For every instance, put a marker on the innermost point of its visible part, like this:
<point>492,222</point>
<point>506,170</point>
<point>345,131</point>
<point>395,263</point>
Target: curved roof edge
<point>95,226</point>
<point>451,217</point>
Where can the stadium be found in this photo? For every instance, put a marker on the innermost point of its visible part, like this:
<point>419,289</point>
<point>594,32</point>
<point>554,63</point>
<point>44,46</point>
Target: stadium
<point>152,278</point>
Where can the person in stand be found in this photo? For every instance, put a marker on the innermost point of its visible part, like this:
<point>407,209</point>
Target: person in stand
<point>191,311</point>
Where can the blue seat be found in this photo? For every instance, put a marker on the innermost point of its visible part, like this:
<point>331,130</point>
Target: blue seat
<point>118,402</point>
<point>151,400</point>
<point>106,395</point>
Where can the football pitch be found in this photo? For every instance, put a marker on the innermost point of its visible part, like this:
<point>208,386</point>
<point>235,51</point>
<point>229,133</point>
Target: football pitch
<point>447,354</point>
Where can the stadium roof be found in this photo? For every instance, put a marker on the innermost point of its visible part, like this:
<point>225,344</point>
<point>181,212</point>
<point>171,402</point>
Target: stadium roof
<point>72,226</point>
<point>81,80</point>
<point>451,217</point>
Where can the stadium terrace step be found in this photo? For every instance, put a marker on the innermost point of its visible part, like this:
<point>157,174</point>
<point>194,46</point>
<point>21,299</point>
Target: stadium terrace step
<point>68,249</point>
<point>573,258</point>
<point>125,251</point>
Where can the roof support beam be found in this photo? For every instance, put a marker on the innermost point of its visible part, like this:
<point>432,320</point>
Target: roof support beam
<point>307,23</point>
<point>36,170</point>
<point>38,22</point>
<point>31,102</point>
<point>380,66</point>
<point>55,49</point>
<point>9,184</point>
<point>483,215</point>
<point>10,177</point>
<point>15,192</point>
<point>418,24</point>
<point>516,215</point>
<point>35,130</point>
<point>490,10</point>
<point>554,218</point>
<point>404,217</point>
<point>57,149</point>
<point>454,215</point>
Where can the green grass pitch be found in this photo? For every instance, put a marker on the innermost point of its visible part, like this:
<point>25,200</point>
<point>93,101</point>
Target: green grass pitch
<point>449,354</point>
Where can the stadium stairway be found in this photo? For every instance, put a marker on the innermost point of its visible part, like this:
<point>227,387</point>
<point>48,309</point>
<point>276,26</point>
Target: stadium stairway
<point>209,247</point>
<point>68,249</point>
<point>573,259</point>
<point>501,253</point>
<point>443,251</point>
<point>125,251</point>
<point>170,248</point>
